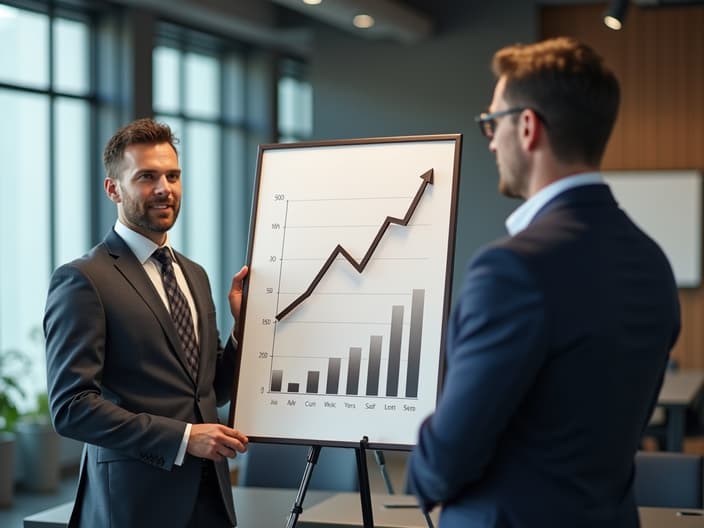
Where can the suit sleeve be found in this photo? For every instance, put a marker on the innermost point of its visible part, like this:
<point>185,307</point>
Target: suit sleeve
<point>226,357</point>
<point>225,370</point>
<point>75,331</point>
<point>494,351</point>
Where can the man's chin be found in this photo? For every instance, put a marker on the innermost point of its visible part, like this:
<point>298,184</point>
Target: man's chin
<point>506,190</point>
<point>162,224</point>
<point>163,217</point>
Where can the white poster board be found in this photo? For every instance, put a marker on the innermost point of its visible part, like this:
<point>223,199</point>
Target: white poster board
<point>351,251</point>
<point>667,205</point>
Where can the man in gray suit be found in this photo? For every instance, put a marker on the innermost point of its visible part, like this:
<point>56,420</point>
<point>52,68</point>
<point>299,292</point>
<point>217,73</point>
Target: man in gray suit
<point>135,364</point>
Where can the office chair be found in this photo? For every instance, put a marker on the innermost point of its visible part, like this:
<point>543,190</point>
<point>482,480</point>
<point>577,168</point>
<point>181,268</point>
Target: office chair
<point>282,466</point>
<point>668,480</point>
<point>694,418</point>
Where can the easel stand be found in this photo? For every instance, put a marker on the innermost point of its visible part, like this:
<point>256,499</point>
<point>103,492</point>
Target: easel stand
<point>303,488</point>
<point>363,477</point>
<point>365,494</point>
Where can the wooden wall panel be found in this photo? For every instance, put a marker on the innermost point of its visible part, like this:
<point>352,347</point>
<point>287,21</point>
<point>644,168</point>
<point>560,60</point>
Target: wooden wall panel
<point>659,60</point>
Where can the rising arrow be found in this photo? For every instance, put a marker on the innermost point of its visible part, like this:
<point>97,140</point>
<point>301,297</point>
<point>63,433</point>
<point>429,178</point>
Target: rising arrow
<point>427,178</point>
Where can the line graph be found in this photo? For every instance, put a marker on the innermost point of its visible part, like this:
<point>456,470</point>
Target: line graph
<point>427,178</point>
<point>343,313</point>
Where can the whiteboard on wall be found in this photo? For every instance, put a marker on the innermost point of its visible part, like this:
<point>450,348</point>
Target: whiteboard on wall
<point>668,206</point>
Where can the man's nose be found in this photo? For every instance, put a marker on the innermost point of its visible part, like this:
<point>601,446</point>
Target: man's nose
<point>492,145</point>
<point>163,186</point>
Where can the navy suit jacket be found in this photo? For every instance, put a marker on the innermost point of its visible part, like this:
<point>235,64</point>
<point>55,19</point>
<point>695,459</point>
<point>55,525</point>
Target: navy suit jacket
<point>555,355</point>
<point>118,381</point>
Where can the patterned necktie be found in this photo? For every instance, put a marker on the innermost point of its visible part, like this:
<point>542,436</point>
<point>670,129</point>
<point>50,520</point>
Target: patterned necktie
<point>180,311</point>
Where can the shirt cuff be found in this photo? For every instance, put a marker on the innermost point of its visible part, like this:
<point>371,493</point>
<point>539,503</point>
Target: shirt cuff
<point>182,448</point>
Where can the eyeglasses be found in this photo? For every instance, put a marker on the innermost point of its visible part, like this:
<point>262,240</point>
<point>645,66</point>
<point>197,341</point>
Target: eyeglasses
<point>487,121</point>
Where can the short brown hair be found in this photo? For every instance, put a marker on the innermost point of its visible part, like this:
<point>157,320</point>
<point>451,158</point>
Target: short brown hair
<point>142,131</point>
<point>567,84</point>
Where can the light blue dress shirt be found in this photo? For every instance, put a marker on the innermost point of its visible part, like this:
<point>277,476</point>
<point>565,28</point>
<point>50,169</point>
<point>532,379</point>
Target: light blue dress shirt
<point>523,216</point>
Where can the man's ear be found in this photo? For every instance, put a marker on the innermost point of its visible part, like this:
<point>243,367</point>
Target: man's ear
<point>112,189</point>
<point>530,129</point>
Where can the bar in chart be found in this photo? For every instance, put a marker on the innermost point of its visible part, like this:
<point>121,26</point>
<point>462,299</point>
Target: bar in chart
<point>333,382</point>
<point>394,351</point>
<point>355,363</point>
<point>373,357</point>
<point>374,366</point>
<point>414,344</point>
<point>312,381</point>
<point>276,379</point>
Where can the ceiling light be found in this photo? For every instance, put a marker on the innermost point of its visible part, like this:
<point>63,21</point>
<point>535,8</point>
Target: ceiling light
<point>616,14</point>
<point>312,2</point>
<point>363,21</point>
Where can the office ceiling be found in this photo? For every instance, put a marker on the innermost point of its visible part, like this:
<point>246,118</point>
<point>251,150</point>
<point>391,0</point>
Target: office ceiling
<point>288,24</point>
<point>406,21</point>
<point>411,20</point>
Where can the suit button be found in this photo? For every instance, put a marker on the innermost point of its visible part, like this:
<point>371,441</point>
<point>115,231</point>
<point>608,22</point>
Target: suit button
<point>198,399</point>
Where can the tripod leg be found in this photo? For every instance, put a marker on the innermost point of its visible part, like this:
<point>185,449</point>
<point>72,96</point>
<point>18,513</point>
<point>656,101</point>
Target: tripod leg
<point>428,520</point>
<point>364,491</point>
<point>303,488</point>
<point>381,461</point>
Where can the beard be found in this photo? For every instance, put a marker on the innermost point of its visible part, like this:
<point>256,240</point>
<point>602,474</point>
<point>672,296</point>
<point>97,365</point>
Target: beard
<point>148,218</point>
<point>513,172</point>
<point>508,187</point>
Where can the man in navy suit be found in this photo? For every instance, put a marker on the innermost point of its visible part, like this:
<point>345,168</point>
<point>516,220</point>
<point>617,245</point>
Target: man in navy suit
<point>135,365</point>
<point>557,345</point>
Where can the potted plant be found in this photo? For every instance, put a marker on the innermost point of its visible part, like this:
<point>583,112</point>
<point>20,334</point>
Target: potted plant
<point>12,366</point>
<point>38,446</point>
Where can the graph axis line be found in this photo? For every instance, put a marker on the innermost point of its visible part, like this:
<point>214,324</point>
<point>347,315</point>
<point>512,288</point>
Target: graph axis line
<point>278,293</point>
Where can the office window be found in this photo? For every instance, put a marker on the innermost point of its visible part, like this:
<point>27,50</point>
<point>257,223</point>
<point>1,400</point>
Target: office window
<point>199,91</point>
<point>167,88</point>
<point>202,90</point>
<point>63,92</point>
<point>295,103</point>
<point>25,33</point>
<point>71,56</point>
<point>46,107</point>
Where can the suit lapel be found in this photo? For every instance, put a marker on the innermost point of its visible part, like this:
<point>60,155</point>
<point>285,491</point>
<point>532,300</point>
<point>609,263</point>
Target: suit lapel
<point>133,272</point>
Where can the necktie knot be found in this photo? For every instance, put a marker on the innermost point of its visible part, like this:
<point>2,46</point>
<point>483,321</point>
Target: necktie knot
<point>163,255</point>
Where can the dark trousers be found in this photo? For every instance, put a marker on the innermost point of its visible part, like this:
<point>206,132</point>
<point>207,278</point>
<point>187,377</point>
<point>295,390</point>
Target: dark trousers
<point>209,510</point>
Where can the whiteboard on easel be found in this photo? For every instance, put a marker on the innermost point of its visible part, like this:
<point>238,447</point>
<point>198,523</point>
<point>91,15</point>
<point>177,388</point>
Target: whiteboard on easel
<point>667,205</point>
<point>351,251</point>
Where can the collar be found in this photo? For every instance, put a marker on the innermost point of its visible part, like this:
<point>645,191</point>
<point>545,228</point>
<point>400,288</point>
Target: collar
<point>523,216</point>
<point>140,245</point>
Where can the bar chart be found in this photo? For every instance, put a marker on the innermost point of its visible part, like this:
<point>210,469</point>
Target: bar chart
<point>354,361</point>
<point>347,296</point>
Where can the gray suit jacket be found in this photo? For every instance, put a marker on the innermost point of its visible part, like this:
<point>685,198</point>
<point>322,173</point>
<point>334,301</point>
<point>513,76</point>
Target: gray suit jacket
<point>118,381</point>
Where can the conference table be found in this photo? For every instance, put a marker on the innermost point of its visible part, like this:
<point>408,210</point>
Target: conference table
<point>269,508</point>
<point>679,390</point>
